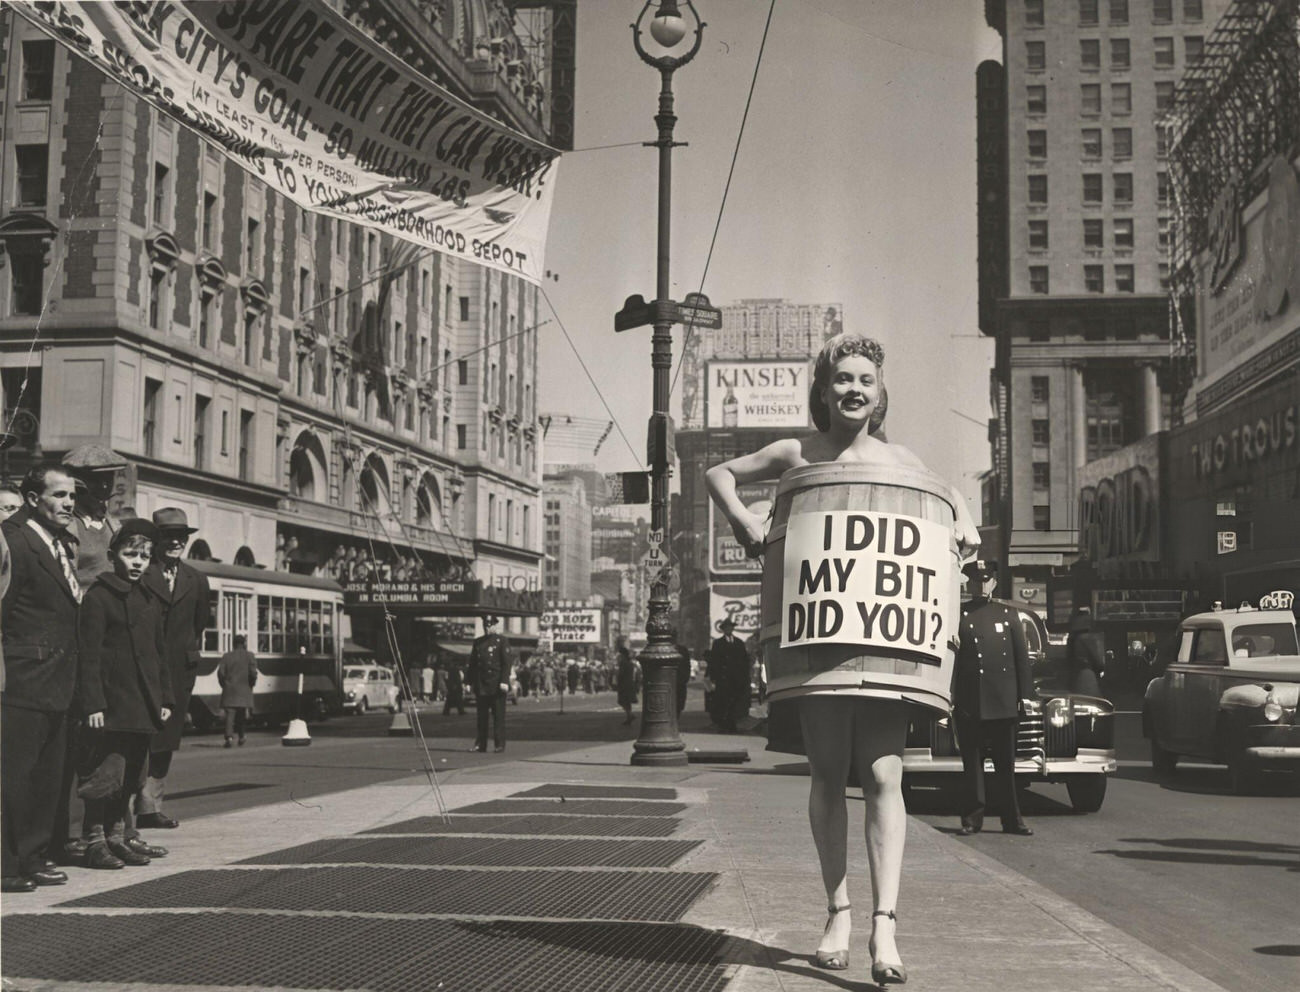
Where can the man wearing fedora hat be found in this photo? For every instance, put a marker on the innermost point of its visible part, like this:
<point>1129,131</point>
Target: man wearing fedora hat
<point>990,681</point>
<point>728,670</point>
<point>183,591</point>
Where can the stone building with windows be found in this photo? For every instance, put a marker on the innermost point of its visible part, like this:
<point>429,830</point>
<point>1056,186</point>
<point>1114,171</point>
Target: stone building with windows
<point>308,390</point>
<point>1075,208</point>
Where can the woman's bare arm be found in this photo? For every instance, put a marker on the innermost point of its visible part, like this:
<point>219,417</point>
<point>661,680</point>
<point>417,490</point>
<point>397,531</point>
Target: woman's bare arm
<point>767,463</point>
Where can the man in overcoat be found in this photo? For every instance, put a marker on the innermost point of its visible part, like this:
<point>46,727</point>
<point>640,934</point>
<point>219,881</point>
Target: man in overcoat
<point>729,673</point>
<point>38,624</point>
<point>183,591</point>
<point>489,674</point>
<point>991,683</point>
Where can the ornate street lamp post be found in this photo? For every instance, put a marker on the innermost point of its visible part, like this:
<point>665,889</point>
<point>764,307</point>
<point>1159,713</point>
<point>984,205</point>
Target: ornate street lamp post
<point>659,742</point>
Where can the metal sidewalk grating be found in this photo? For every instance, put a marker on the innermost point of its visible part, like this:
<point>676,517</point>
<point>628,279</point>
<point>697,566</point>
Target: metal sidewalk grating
<point>596,792</point>
<point>389,955</point>
<point>559,894</point>
<point>536,825</point>
<point>537,852</point>
<point>577,807</point>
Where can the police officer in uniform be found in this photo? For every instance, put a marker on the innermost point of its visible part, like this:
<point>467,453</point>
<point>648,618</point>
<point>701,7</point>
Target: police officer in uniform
<point>489,674</point>
<point>991,681</point>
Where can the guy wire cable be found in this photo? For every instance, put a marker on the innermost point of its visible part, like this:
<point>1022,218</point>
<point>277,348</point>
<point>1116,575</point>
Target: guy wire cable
<point>690,325</point>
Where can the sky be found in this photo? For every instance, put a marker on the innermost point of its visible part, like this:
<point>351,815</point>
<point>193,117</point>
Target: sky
<point>854,184</point>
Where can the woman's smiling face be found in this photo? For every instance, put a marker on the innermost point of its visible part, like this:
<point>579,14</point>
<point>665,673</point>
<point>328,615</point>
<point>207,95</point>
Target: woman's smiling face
<point>854,389</point>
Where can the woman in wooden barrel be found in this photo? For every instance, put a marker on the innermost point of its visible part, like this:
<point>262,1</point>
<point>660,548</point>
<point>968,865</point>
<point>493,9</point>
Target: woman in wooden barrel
<point>847,400</point>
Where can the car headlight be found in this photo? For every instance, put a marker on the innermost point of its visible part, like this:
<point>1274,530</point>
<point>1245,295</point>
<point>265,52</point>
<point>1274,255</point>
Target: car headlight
<point>352,694</point>
<point>1033,707</point>
<point>1272,709</point>
<point>1057,712</point>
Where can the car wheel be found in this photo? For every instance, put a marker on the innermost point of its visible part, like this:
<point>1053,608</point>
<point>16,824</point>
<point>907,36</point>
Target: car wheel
<point>1162,761</point>
<point>362,706</point>
<point>1087,792</point>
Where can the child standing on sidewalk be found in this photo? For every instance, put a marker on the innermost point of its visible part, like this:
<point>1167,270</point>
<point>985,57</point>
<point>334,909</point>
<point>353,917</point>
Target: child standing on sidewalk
<point>125,691</point>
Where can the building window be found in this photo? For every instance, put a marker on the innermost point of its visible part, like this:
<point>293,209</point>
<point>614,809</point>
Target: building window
<point>1118,11</point>
<point>1162,141</point>
<point>1040,433</point>
<point>1164,94</point>
<point>1093,232</point>
<point>1042,518</point>
<point>1037,142</point>
<point>160,190</point>
<point>1106,411</point>
<point>1090,53</point>
<point>1162,189</point>
<point>1164,276</point>
<point>1123,232</point>
<point>1040,388</point>
<point>1094,279</point>
<point>1164,52</point>
<point>1193,49</point>
<point>1092,187</point>
<point>209,216</point>
<point>1123,278</point>
<point>207,300</point>
<point>200,429</point>
<point>1034,13</point>
<point>1038,279</point>
<point>38,70</point>
<point>1038,234</point>
<point>1119,53</point>
<point>157,283</point>
<point>33,174</point>
<point>26,282</point>
<point>1035,56</point>
<point>304,290</point>
<point>1038,188</point>
<point>1192,10</point>
<point>464,308</point>
<point>1121,98</point>
<point>461,440</point>
<point>252,246</point>
<point>250,337</point>
<point>1036,99</point>
<point>1090,98</point>
<point>225,432</point>
<point>1121,140</point>
<point>1088,12</point>
<point>1091,142</point>
<point>1123,187</point>
<point>462,372</point>
<point>245,440</point>
<point>152,387</point>
<point>1042,475</point>
<point>1162,11</point>
<point>1162,232</point>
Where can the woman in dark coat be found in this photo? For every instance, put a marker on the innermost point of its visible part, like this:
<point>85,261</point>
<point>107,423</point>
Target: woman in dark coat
<point>626,680</point>
<point>125,691</point>
<point>1084,658</point>
<point>236,675</point>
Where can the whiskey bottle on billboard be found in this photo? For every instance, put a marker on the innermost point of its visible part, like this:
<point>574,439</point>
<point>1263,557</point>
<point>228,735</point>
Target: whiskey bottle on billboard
<point>730,409</point>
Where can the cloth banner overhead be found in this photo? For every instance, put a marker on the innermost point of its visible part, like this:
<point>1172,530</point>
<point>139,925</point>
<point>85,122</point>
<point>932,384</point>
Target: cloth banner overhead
<point>328,118</point>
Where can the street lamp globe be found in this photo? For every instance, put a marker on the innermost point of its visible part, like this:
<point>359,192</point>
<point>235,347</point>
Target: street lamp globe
<point>668,27</point>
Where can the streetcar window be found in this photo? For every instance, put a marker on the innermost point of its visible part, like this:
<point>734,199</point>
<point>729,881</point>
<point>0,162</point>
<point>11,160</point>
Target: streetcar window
<point>211,633</point>
<point>277,625</point>
<point>315,628</point>
<point>264,624</point>
<point>327,628</point>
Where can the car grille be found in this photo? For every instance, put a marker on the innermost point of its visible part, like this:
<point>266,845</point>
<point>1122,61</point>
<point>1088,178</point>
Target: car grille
<point>1030,742</point>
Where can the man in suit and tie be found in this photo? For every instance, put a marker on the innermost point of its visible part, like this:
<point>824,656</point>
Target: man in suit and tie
<point>183,591</point>
<point>489,677</point>
<point>38,623</point>
<point>729,672</point>
<point>991,682</point>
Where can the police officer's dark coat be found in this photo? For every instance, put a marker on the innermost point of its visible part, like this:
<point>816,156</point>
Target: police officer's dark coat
<point>489,664</point>
<point>991,674</point>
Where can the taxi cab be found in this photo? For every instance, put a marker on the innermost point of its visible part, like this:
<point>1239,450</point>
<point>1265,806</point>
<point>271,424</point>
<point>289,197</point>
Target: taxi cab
<point>368,686</point>
<point>1229,697</point>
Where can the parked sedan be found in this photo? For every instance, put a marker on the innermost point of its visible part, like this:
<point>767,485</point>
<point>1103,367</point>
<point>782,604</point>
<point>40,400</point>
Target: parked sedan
<point>1063,737</point>
<point>1230,695</point>
<point>368,686</point>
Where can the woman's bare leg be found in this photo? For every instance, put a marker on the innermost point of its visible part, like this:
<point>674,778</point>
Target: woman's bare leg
<point>828,738</point>
<point>879,733</point>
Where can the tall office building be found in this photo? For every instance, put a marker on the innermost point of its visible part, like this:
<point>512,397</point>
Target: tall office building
<point>303,386</point>
<point>1075,205</point>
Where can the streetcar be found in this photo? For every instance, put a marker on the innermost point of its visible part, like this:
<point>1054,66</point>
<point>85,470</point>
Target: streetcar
<point>294,625</point>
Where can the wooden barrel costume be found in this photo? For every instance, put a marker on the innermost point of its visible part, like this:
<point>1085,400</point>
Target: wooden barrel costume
<point>849,669</point>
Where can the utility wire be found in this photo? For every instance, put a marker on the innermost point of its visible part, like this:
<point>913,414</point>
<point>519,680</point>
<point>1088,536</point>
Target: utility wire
<point>735,154</point>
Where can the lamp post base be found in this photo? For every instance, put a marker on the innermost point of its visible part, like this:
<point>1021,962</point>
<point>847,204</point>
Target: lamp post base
<point>659,744</point>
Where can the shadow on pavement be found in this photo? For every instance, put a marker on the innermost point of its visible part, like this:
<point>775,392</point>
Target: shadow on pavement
<point>1211,851</point>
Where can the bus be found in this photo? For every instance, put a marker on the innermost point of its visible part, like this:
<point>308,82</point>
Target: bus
<point>294,625</point>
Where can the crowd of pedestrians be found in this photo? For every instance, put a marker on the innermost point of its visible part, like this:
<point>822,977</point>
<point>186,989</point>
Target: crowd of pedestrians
<point>101,621</point>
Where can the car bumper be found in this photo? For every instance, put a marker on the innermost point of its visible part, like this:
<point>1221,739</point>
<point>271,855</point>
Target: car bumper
<point>919,761</point>
<point>1271,745</point>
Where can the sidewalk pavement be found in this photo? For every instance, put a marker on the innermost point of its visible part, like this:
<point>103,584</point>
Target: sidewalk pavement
<point>966,922</point>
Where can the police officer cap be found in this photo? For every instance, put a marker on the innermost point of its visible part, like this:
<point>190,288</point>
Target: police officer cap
<point>980,568</point>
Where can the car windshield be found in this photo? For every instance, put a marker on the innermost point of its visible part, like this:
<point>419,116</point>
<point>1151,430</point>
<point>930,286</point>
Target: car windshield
<point>1256,639</point>
<point>354,673</point>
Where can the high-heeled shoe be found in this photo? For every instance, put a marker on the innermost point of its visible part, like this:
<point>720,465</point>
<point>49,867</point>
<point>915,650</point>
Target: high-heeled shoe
<point>883,972</point>
<point>833,960</point>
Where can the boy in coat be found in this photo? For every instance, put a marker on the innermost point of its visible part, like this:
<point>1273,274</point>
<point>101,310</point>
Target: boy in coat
<point>125,691</point>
